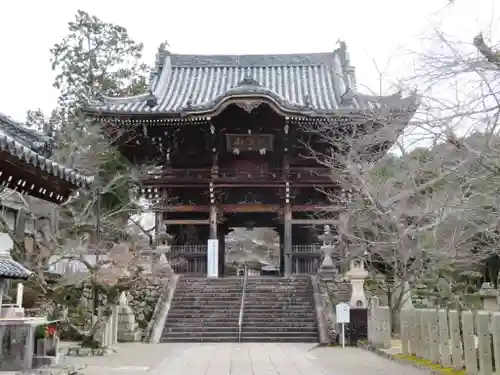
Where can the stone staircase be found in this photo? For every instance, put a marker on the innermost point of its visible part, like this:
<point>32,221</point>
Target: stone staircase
<point>279,309</point>
<point>204,310</point>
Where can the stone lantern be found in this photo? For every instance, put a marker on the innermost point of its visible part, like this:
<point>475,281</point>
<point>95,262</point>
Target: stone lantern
<point>357,275</point>
<point>330,240</point>
<point>489,297</point>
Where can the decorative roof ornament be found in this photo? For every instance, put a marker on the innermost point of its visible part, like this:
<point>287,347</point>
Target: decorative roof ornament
<point>347,97</point>
<point>248,81</point>
<point>151,100</point>
<point>344,55</point>
<point>189,102</point>
<point>307,101</point>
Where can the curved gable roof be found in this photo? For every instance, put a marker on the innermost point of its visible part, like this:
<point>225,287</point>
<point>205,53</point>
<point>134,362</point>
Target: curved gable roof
<point>313,83</point>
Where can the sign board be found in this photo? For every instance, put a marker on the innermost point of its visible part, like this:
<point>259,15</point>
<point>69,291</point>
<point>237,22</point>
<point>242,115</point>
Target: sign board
<point>213,258</point>
<point>343,311</point>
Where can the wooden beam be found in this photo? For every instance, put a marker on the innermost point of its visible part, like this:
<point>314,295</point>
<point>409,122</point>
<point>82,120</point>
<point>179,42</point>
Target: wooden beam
<point>182,208</point>
<point>250,207</point>
<point>186,222</point>
<point>314,221</point>
<point>315,208</point>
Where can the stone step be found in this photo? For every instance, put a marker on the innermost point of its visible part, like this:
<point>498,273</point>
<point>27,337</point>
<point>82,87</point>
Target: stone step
<point>199,339</point>
<point>217,320</point>
<point>277,334</point>
<point>204,315</point>
<point>200,334</point>
<point>217,294</point>
<point>188,299</point>
<point>278,284</point>
<point>272,338</point>
<point>281,318</point>
<point>284,326</point>
<point>203,329</point>
<point>270,309</point>
<point>223,314</point>
<point>207,302</point>
<point>266,303</point>
<point>208,291</point>
<point>279,329</point>
<point>207,308</point>
<point>291,291</point>
<point>209,286</point>
<point>277,321</point>
<point>203,323</point>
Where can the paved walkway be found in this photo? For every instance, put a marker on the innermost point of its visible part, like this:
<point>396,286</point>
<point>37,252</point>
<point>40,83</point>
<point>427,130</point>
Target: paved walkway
<point>240,359</point>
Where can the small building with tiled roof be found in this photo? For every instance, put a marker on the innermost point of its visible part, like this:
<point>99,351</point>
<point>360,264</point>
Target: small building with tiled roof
<point>26,167</point>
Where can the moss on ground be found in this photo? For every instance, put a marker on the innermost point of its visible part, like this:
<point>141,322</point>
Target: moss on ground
<point>428,364</point>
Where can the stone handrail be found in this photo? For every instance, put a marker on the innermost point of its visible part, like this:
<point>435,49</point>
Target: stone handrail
<point>160,313</point>
<point>320,311</point>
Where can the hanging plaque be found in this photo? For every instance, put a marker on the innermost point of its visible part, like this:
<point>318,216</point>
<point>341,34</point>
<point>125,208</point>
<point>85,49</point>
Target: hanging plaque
<point>249,142</point>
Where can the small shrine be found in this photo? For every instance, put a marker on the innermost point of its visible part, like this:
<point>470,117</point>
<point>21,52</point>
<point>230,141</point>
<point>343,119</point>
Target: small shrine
<point>26,342</point>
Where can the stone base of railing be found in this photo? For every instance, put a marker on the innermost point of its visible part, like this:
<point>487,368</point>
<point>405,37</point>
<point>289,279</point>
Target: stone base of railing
<point>78,351</point>
<point>394,357</point>
<point>50,370</point>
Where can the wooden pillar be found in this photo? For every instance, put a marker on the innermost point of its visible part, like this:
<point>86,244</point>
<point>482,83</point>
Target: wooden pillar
<point>287,232</point>
<point>222,251</point>
<point>158,227</point>
<point>282,253</point>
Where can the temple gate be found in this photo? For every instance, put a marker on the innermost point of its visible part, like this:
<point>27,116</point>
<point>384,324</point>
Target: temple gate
<point>228,137</point>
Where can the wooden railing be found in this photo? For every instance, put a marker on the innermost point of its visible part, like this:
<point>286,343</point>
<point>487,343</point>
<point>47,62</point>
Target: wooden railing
<point>306,259</point>
<point>295,173</point>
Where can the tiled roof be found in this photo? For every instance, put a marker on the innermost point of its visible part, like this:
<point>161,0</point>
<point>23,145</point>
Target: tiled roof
<point>301,83</point>
<point>27,145</point>
<point>10,269</point>
<point>36,141</point>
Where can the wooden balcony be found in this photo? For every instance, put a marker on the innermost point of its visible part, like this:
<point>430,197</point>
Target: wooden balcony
<point>222,177</point>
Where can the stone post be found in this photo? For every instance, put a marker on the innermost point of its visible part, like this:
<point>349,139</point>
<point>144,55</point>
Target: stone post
<point>425,334</point>
<point>444,338</point>
<point>470,353</point>
<point>405,317</point>
<point>385,315</point>
<point>357,275</point>
<point>456,341</point>
<point>372,321</point>
<point>418,333</point>
<point>484,343</point>
<point>412,331</point>
<point>495,330</point>
<point>435,355</point>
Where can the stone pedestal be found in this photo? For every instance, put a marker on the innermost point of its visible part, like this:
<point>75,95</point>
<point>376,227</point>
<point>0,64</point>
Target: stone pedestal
<point>357,275</point>
<point>489,297</point>
<point>128,329</point>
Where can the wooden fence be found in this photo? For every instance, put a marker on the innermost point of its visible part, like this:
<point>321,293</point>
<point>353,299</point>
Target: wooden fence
<point>464,340</point>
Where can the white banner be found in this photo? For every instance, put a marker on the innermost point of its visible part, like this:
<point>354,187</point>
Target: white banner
<point>213,258</point>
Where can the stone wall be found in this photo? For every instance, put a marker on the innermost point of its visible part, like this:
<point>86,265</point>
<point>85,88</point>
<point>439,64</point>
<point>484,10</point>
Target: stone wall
<point>142,297</point>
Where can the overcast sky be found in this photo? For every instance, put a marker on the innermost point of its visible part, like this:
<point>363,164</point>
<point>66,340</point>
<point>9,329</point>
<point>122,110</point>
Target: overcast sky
<point>374,30</point>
